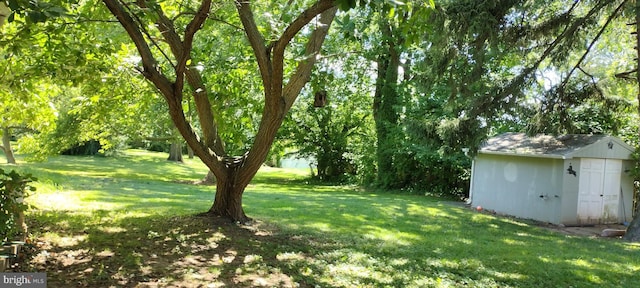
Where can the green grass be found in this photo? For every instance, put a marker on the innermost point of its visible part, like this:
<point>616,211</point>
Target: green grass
<point>128,221</point>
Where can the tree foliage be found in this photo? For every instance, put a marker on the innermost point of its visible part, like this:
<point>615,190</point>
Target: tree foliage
<point>497,50</point>
<point>333,135</point>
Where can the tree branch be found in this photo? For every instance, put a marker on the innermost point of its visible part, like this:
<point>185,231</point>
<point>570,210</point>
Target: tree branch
<point>626,75</point>
<point>152,72</point>
<point>203,105</point>
<point>142,28</point>
<point>593,81</point>
<point>303,71</point>
<point>302,20</point>
<point>514,84</point>
<point>272,75</point>
<point>216,19</point>
<point>313,45</point>
<point>255,40</point>
<point>593,42</point>
<point>165,138</point>
<point>89,21</point>
<point>149,63</point>
<point>187,43</point>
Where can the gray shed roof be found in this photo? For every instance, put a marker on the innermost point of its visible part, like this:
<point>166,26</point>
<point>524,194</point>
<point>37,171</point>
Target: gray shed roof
<point>565,146</point>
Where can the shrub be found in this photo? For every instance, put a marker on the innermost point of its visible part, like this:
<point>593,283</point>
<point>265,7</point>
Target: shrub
<point>14,188</point>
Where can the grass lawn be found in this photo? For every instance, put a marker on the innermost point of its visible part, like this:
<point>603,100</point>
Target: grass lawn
<point>130,221</point>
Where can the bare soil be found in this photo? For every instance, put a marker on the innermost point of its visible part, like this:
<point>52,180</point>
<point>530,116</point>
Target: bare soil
<point>582,231</point>
<point>586,231</point>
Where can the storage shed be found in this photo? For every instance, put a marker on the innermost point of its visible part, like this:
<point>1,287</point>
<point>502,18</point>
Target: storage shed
<point>570,179</point>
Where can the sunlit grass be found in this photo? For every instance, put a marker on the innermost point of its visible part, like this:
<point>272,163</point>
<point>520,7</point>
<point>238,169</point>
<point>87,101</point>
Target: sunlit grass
<point>129,215</point>
<point>135,180</point>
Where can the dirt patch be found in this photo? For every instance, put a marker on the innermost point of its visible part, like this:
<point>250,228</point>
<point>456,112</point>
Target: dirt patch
<point>583,231</point>
<point>586,231</point>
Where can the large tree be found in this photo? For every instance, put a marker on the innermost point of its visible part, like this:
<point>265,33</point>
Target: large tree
<point>168,62</point>
<point>633,232</point>
<point>390,31</point>
<point>477,73</point>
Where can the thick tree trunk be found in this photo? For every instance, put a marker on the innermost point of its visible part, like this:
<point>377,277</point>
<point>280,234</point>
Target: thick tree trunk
<point>384,110</point>
<point>228,199</point>
<point>633,231</point>
<point>6,145</point>
<point>175,151</point>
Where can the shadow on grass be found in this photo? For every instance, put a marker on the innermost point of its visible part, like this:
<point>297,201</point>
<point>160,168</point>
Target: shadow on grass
<point>93,250</point>
<point>456,248</point>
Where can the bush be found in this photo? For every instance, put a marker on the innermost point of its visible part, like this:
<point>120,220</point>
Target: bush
<point>14,188</point>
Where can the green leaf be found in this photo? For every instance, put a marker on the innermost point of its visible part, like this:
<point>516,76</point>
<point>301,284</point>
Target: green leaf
<point>14,5</point>
<point>346,5</point>
<point>37,17</point>
<point>396,2</point>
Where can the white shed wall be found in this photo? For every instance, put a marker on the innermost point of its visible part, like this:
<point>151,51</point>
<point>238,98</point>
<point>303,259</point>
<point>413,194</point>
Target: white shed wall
<point>514,186</point>
<point>627,192</point>
<point>570,186</point>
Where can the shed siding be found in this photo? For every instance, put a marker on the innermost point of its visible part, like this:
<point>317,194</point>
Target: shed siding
<point>513,185</point>
<point>569,200</point>
<point>626,183</point>
<point>602,150</point>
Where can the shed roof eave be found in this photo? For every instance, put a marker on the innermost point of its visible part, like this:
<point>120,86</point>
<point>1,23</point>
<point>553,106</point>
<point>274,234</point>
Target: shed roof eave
<point>549,156</point>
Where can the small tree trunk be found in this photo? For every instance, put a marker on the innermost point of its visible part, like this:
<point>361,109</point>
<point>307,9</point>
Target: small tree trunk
<point>6,145</point>
<point>189,152</point>
<point>313,174</point>
<point>175,151</point>
<point>209,179</point>
<point>22,226</point>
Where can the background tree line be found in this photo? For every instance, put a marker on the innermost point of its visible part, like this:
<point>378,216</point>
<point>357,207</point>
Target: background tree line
<point>447,77</point>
